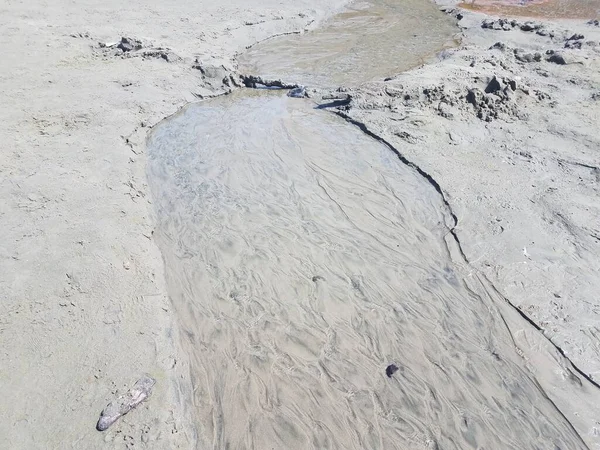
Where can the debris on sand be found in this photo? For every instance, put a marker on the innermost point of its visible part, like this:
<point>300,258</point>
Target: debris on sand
<point>125,403</point>
<point>391,370</point>
<point>160,53</point>
<point>525,57</point>
<point>257,82</point>
<point>129,44</point>
<point>299,92</point>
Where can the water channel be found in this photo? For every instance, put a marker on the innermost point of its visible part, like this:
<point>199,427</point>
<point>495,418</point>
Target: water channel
<point>303,258</point>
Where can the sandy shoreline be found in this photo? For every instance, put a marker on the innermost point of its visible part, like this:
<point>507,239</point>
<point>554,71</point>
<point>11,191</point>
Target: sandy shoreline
<point>85,311</point>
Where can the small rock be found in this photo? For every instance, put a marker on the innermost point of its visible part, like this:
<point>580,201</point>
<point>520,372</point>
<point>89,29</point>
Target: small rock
<point>391,370</point>
<point>474,97</point>
<point>556,58</point>
<point>495,85</point>
<point>487,23</point>
<point>527,57</point>
<point>129,44</point>
<point>529,26</point>
<point>576,37</point>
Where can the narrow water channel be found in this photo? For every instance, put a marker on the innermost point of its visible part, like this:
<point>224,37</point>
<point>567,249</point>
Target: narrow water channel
<point>302,259</point>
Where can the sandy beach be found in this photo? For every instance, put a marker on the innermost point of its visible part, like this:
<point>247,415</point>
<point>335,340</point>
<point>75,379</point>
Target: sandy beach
<point>456,238</point>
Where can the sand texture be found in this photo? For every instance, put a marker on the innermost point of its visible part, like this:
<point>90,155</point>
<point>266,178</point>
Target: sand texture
<point>264,259</point>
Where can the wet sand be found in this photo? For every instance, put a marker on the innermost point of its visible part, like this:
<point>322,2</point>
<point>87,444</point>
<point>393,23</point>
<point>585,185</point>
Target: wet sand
<point>304,257</point>
<point>368,40</point>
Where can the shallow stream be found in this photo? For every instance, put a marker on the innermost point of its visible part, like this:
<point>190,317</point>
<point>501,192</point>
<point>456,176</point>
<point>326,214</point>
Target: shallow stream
<point>303,260</point>
<point>369,40</point>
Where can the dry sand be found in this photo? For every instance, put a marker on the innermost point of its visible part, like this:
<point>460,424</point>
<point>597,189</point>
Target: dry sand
<point>85,310</point>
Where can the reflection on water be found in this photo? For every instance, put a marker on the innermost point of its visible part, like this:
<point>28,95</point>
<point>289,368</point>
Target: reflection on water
<point>369,40</point>
<point>302,258</point>
<point>549,9</point>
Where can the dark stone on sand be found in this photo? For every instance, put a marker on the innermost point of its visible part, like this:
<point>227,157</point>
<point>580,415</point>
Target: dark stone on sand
<point>557,58</point>
<point>487,23</point>
<point>473,97</point>
<point>495,85</point>
<point>391,370</point>
<point>500,24</point>
<point>318,278</point>
<point>529,26</point>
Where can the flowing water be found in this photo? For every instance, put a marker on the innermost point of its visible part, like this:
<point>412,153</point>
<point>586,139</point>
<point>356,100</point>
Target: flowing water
<point>367,41</point>
<point>303,258</point>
